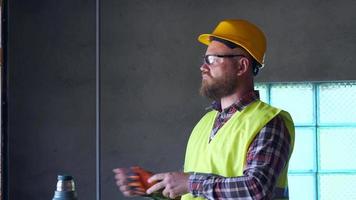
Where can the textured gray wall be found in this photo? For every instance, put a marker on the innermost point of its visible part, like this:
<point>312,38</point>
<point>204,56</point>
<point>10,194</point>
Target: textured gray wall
<point>51,73</point>
<point>150,79</point>
<point>151,61</point>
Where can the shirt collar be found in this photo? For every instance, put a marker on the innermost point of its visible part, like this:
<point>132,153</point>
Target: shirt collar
<point>240,104</point>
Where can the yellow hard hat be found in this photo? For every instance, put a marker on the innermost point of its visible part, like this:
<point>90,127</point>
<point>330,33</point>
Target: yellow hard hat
<point>242,33</point>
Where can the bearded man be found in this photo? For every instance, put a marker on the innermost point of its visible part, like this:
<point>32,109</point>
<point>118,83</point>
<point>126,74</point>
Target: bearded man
<point>241,148</point>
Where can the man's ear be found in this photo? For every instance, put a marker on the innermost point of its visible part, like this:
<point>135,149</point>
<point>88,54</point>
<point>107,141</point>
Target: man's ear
<point>243,66</point>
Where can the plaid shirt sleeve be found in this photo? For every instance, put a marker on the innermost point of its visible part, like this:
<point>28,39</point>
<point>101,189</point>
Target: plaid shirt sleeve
<point>266,158</point>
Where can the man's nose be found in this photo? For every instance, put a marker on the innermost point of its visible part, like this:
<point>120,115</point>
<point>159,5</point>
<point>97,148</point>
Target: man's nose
<point>204,67</point>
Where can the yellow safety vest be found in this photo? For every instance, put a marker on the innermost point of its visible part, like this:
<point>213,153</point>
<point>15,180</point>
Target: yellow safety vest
<point>226,154</point>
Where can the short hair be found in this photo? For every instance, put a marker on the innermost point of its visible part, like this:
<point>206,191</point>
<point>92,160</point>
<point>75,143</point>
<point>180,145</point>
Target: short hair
<point>255,65</point>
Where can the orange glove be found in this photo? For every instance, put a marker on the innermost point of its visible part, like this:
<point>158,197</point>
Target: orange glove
<point>137,179</point>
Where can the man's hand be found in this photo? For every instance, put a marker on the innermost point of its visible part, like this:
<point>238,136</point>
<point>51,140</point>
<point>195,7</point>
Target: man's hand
<point>174,184</point>
<point>121,176</point>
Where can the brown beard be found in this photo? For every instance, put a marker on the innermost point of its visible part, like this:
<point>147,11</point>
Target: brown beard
<point>219,87</point>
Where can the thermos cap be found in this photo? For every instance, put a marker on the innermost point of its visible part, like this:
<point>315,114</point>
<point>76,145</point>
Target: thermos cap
<point>64,177</point>
<point>65,188</point>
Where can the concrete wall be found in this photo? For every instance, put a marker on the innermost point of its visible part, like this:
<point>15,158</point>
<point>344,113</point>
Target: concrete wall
<point>150,78</point>
<point>151,61</point>
<point>51,97</point>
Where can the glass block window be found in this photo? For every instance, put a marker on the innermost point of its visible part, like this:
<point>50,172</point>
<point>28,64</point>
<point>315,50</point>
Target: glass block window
<point>323,164</point>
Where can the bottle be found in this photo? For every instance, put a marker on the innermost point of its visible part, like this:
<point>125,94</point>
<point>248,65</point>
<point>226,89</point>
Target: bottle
<point>65,188</point>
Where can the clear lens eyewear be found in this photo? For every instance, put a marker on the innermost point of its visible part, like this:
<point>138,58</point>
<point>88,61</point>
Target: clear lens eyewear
<point>213,59</point>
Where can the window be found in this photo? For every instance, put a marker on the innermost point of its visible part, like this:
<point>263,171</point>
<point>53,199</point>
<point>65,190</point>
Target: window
<point>323,164</point>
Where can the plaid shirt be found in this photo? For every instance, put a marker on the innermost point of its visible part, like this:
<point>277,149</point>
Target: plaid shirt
<point>266,158</point>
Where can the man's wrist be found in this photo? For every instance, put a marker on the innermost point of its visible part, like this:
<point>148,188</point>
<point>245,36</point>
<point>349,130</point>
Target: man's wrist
<point>195,184</point>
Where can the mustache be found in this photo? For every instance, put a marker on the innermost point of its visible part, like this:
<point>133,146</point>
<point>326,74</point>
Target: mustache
<point>205,73</point>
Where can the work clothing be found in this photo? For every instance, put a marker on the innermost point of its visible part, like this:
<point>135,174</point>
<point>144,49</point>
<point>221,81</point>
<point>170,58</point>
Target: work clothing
<point>236,165</point>
<point>240,32</point>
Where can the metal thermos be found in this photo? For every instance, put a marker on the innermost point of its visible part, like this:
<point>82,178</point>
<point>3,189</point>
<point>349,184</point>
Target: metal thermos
<point>65,188</point>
